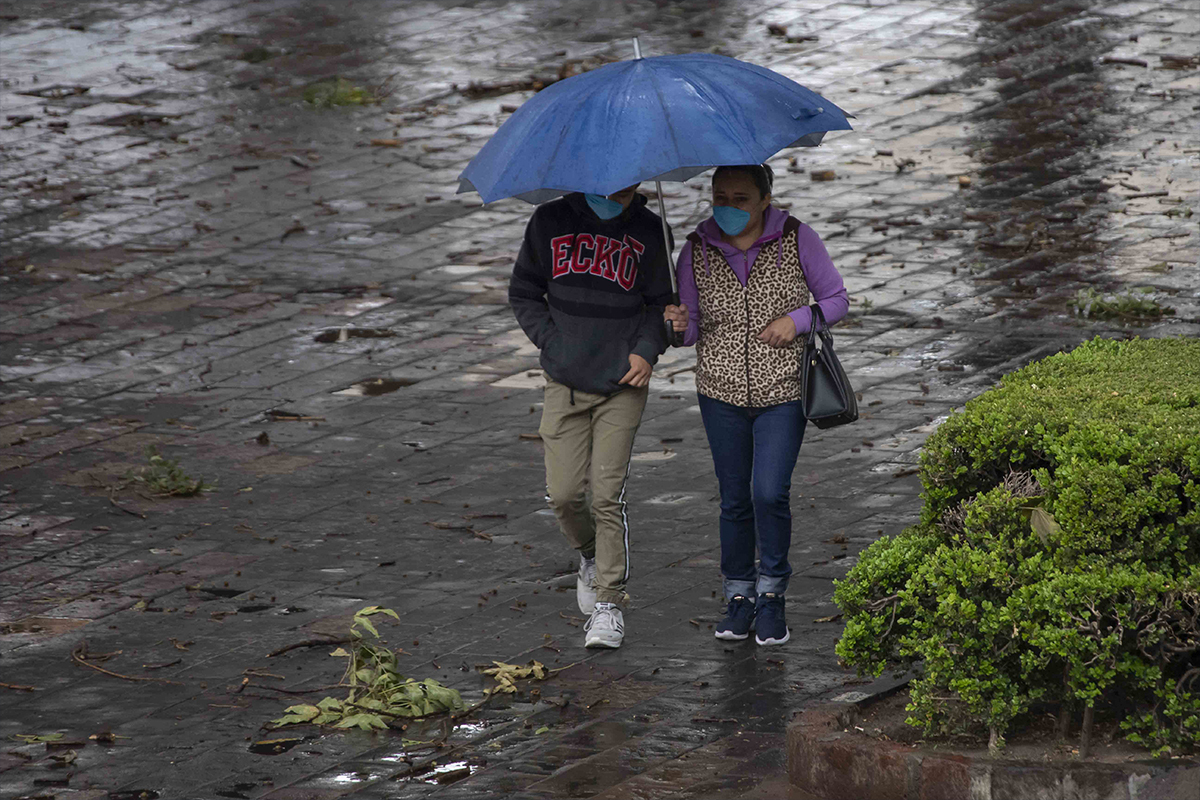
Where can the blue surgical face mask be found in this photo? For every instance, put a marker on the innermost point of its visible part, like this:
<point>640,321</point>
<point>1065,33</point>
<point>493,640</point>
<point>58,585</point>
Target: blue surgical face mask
<point>604,208</point>
<point>731,220</point>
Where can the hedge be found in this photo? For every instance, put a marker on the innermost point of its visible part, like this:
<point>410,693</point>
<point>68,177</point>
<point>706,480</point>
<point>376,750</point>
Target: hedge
<point>1056,559</point>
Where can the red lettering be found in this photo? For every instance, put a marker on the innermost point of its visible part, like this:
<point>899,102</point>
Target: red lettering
<point>560,251</point>
<point>578,262</point>
<point>599,255</point>
<point>608,253</point>
<point>630,256</point>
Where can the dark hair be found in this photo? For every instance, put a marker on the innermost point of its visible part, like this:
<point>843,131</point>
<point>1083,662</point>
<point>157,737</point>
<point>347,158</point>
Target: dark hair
<point>762,175</point>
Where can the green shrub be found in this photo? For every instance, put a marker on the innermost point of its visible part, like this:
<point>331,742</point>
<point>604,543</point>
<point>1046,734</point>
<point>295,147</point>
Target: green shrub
<point>1057,554</point>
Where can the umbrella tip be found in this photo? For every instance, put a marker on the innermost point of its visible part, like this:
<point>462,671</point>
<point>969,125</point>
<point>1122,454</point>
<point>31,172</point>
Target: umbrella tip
<point>637,49</point>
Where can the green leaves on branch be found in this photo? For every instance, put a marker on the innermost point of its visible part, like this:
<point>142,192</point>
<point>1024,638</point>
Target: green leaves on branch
<point>378,692</point>
<point>164,477</point>
<point>1057,556</point>
<point>37,738</point>
<point>1134,305</point>
<point>337,92</point>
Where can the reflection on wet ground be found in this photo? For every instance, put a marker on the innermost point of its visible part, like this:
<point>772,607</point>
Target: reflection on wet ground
<point>1039,195</point>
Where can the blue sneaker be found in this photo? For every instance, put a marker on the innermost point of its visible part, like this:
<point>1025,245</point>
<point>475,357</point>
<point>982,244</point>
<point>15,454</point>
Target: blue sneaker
<point>769,622</point>
<point>739,620</point>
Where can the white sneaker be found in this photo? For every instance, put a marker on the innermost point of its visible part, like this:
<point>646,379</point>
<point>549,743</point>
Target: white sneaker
<point>585,585</point>
<point>606,627</point>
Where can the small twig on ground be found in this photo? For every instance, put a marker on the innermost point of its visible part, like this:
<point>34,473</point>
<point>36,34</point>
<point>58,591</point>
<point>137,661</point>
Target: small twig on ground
<point>113,500</point>
<point>16,687</point>
<point>76,658</point>
<point>163,666</point>
<point>281,690</point>
<point>308,643</point>
<point>260,674</point>
<point>82,649</point>
<point>573,621</point>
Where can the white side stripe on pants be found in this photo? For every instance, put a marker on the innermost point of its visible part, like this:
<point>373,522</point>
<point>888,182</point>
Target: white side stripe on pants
<point>625,520</point>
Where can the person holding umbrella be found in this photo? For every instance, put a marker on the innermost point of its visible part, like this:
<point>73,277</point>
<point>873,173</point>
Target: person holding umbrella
<point>590,279</point>
<point>746,278</point>
<point>588,289</point>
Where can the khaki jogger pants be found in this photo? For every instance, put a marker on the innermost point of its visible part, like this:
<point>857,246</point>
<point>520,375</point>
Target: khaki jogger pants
<point>588,445</point>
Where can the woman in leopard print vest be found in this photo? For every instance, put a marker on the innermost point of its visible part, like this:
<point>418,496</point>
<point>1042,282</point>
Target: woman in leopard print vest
<point>746,278</point>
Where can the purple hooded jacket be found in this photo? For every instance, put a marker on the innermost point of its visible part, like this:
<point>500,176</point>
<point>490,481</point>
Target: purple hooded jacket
<point>824,282</point>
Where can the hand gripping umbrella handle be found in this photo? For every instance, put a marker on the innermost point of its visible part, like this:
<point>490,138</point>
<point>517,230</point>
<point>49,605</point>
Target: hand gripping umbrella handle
<point>673,336</point>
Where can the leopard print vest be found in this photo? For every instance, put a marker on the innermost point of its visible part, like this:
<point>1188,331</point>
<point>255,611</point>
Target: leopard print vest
<point>732,364</point>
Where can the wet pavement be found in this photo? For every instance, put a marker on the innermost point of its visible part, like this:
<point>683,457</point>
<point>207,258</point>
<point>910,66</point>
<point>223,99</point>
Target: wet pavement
<point>291,301</point>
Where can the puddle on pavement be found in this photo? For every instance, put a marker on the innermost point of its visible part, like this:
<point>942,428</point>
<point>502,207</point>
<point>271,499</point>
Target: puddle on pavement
<point>275,746</point>
<point>253,609</point>
<point>673,499</point>
<point>375,387</point>
<point>331,335</point>
<point>443,774</point>
<point>654,455</point>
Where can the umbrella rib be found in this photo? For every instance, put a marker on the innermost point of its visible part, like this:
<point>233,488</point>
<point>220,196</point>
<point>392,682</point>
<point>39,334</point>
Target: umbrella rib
<point>709,100</point>
<point>581,102</point>
<point>666,109</point>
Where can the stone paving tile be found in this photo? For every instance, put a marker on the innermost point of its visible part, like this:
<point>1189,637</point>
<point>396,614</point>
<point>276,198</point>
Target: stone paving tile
<point>172,254</point>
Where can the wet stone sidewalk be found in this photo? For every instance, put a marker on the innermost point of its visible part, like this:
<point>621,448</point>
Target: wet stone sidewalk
<point>291,302</point>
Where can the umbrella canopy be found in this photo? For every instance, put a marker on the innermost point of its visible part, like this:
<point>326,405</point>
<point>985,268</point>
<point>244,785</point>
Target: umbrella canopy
<point>660,118</point>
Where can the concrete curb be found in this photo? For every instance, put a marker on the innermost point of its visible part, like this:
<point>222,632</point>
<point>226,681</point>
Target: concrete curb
<point>826,757</point>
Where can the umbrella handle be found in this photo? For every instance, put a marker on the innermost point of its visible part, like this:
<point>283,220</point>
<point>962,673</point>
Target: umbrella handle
<point>674,337</point>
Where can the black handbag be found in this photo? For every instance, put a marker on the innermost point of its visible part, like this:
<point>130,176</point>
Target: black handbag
<point>828,397</point>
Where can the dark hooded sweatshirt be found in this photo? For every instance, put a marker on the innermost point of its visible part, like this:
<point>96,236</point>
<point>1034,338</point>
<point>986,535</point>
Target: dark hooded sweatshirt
<point>588,292</point>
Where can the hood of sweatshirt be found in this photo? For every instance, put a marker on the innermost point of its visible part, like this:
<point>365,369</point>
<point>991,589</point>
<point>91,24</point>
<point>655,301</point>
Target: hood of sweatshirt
<point>774,219</point>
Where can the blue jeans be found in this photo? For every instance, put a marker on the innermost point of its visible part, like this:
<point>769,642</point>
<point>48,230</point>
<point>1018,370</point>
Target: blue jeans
<point>754,451</point>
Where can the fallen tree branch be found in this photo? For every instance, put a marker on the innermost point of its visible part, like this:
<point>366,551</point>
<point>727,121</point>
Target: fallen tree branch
<point>76,658</point>
<point>281,690</point>
<point>308,643</point>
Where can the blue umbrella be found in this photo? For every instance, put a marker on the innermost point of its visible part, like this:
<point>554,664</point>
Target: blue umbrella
<point>666,118</point>
<point>661,118</point>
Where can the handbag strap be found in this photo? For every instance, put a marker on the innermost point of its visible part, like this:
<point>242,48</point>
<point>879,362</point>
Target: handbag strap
<point>820,336</point>
<point>818,314</point>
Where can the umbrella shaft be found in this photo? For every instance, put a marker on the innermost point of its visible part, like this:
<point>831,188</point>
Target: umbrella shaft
<point>662,215</point>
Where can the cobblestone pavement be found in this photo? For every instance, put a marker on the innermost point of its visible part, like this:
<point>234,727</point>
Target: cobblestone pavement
<point>192,254</point>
